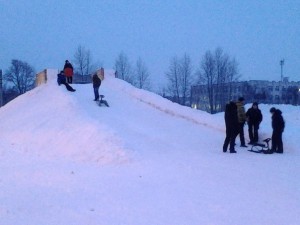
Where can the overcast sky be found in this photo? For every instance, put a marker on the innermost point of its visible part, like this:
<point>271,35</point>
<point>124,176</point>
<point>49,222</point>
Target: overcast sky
<point>257,33</point>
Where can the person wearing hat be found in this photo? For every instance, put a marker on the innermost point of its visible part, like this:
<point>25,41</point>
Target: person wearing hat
<point>68,70</point>
<point>254,118</point>
<point>278,125</point>
<point>242,119</point>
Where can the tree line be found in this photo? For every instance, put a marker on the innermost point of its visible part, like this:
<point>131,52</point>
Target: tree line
<point>215,68</point>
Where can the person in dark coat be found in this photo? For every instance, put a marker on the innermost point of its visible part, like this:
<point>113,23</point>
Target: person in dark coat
<point>278,125</point>
<point>254,118</point>
<point>61,79</point>
<point>96,86</point>
<point>68,70</point>
<point>232,126</point>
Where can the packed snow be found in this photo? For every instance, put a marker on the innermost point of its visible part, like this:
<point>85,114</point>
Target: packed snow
<point>142,161</point>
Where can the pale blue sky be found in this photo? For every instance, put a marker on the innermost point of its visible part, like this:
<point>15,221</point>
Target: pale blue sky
<point>257,33</point>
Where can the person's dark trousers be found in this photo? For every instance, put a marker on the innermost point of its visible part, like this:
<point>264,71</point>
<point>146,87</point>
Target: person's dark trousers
<point>253,132</point>
<point>250,130</point>
<point>241,133</point>
<point>229,140</point>
<point>70,80</point>
<point>96,92</point>
<point>277,144</point>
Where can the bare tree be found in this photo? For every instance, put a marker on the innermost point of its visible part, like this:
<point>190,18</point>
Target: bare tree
<point>83,62</point>
<point>21,75</point>
<point>185,78</point>
<point>173,76</point>
<point>208,76</point>
<point>142,75</point>
<point>123,68</point>
<point>232,75</point>
<point>180,79</point>
<point>217,71</point>
<point>221,63</point>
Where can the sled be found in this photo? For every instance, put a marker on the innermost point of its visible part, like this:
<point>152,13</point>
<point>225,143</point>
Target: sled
<point>261,147</point>
<point>102,102</point>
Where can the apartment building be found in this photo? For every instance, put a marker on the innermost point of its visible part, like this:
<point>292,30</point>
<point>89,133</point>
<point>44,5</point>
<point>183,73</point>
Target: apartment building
<point>262,91</point>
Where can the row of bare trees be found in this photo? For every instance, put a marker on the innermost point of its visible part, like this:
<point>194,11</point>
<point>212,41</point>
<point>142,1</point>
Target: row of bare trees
<point>214,71</point>
<point>217,71</point>
<point>83,63</point>
<point>138,75</point>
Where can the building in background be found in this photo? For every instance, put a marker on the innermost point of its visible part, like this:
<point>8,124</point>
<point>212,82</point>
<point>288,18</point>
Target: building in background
<point>268,92</point>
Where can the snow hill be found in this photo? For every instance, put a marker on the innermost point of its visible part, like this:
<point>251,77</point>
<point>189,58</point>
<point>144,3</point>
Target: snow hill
<point>144,160</point>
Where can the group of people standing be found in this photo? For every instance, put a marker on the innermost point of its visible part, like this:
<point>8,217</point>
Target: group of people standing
<point>65,77</point>
<point>236,117</point>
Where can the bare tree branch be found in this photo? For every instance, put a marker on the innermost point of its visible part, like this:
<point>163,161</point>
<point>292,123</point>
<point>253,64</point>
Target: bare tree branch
<point>123,69</point>
<point>142,75</point>
<point>21,75</point>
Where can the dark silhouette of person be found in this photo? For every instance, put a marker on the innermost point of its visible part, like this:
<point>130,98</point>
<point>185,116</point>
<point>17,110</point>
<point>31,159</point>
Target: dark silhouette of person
<point>68,70</point>
<point>232,126</point>
<point>242,119</point>
<point>254,118</point>
<point>61,79</point>
<point>96,86</point>
<point>278,125</point>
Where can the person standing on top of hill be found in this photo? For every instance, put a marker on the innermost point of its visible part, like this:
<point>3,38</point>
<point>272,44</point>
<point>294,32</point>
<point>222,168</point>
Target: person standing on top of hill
<point>254,118</point>
<point>242,119</point>
<point>278,125</point>
<point>68,70</point>
<point>96,85</point>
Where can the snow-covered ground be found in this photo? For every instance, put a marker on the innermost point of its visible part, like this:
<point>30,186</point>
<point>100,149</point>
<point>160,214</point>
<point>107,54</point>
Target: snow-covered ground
<point>142,161</point>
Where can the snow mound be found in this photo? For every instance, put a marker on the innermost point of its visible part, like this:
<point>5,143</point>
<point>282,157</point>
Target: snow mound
<point>51,123</point>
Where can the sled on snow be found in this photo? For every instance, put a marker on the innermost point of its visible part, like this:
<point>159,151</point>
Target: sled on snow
<point>102,101</point>
<point>261,147</point>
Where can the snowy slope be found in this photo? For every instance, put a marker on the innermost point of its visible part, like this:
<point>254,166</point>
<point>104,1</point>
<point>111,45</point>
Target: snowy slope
<point>144,160</point>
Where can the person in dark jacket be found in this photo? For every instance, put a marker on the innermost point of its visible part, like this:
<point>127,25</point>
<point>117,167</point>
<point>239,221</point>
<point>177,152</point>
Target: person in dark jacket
<point>232,126</point>
<point>61,79</point>
<point>254,118</point>
<point>278,125</point>
<point>68,70</point>
<point>96,86</point>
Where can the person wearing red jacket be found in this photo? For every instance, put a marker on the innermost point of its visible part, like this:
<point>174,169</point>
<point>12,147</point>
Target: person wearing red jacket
<point>68,70</point>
